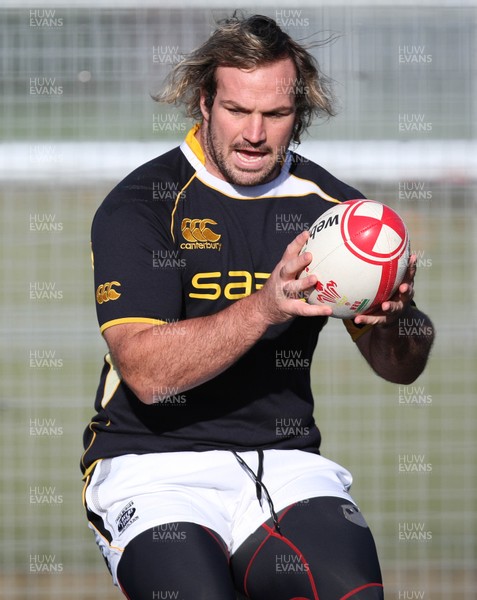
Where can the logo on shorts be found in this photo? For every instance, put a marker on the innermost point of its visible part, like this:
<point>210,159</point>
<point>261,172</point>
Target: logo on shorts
<point>199,236</point>
<point>353,514</point>
<point>126,517</point>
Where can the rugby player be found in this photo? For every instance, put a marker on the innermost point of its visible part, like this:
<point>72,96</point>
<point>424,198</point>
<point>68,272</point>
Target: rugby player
<point>203,475</point>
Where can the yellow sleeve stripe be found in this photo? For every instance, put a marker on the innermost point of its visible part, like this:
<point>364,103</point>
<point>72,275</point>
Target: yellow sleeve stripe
<point>355,331</point>
<point>131,320</point>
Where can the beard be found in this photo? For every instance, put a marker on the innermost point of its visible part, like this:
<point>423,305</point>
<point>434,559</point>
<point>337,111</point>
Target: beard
<point>241,175</point>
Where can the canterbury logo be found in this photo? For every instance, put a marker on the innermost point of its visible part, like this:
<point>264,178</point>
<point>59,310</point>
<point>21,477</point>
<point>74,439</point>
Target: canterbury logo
<point>196,230</point>
<point>106,292</point>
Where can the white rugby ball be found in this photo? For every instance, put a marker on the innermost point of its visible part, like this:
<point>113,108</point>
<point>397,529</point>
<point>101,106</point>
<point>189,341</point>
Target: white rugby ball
<point>360,254</point>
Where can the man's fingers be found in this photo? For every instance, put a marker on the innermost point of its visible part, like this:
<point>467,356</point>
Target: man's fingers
<point>294,266</point>
<point>295,245</point>
<point>292,261</point>
<point>313,310</point>
<point>297,288</point>
<point>411,269</point>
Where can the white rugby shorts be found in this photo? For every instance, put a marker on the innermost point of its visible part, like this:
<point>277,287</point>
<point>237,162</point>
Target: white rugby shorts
<point>134,493</point>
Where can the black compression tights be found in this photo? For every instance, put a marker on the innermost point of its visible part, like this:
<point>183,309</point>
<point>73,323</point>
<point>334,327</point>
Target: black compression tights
<point>325,551</point>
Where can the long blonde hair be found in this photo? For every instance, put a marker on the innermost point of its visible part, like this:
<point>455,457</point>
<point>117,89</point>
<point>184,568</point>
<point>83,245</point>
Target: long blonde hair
<point>247,43</point>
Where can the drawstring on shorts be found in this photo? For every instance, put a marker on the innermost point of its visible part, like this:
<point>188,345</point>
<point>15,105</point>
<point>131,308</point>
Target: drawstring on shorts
<point>259,485</point>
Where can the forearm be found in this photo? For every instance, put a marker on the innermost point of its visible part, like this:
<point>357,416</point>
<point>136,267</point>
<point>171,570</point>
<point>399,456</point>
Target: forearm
<point>171,358</point>
<point>398,351</point>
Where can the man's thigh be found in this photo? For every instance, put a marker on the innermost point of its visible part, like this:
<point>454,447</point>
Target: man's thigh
<point>191,566</point>
<point>324,551</point>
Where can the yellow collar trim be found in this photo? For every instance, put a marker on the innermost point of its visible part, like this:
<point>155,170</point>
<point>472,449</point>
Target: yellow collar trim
<point>194,144</point>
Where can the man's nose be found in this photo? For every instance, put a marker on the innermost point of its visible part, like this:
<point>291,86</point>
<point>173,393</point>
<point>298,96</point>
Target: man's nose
<point>254,130</point>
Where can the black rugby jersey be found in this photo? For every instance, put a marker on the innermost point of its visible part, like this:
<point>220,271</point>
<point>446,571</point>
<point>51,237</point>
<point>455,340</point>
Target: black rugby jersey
<point>171,242</point>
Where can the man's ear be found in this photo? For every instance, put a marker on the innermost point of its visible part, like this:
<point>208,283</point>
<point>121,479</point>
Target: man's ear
<point>203,106</point>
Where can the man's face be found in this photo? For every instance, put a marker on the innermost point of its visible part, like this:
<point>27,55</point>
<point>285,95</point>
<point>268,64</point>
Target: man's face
<point>246,133</point>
